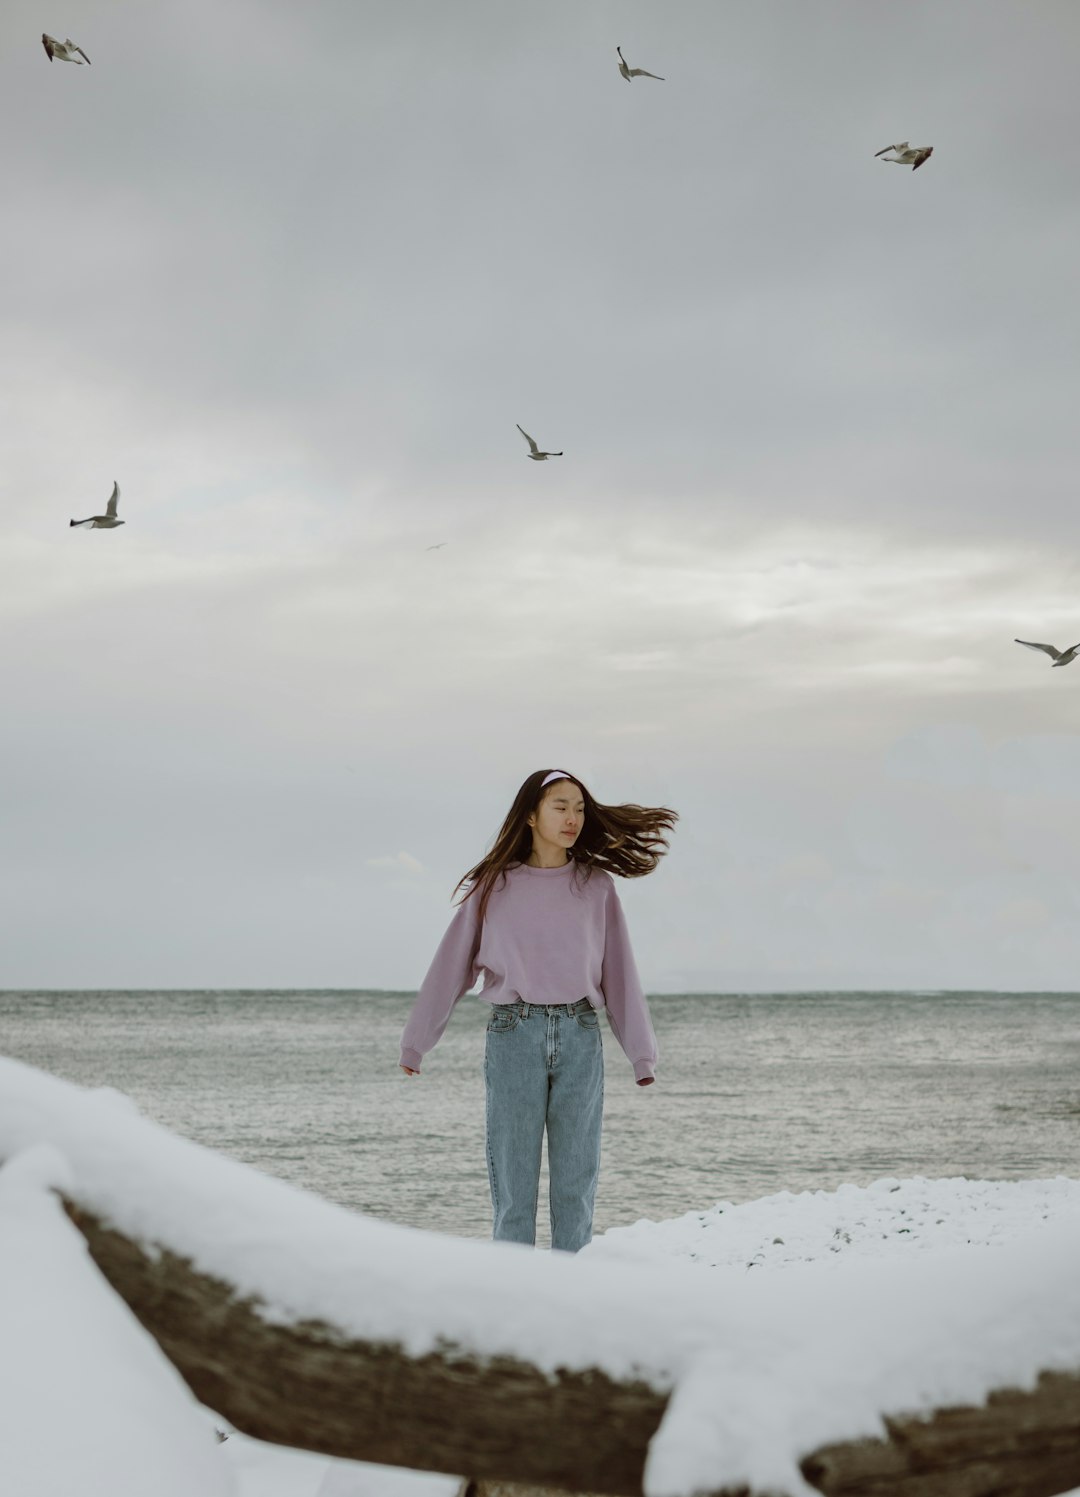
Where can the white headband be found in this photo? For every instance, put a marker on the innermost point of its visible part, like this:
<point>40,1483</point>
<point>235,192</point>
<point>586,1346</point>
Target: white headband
<point>556,774</point>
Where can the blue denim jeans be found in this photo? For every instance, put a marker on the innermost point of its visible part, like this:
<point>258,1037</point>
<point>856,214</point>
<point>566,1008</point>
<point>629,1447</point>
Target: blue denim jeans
<point>544,1068</point>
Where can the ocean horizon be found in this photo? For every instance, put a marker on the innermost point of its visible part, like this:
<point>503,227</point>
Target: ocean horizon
<point>757,1092</point>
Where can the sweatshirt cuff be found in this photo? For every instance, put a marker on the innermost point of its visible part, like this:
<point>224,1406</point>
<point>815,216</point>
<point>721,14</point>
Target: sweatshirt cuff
<point>411,1058</point>
<point>644,1069</point>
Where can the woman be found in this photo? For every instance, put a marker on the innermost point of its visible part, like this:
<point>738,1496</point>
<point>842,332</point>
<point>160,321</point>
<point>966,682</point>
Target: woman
<point>541,920</point>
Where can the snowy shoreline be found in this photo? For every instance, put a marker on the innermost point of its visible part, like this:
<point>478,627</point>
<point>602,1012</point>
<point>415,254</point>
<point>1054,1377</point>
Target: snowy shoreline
<point>895,1219</point>
<point>779,1325</point>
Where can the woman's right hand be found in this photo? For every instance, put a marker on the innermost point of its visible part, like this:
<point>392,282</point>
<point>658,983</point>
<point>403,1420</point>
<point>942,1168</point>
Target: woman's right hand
<point>408,1072</point>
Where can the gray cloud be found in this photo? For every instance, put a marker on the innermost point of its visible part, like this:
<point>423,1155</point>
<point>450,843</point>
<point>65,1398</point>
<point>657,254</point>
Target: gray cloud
<point>292,275</point>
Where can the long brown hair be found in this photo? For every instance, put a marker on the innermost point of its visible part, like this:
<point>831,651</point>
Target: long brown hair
<point>627,840</point>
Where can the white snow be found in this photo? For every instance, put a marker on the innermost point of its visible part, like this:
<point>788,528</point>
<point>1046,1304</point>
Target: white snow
<point>894,1299</point>
<point>89,1406</point>
<point>263,1470</point>
<point>273,1470</point>
<point>351,1479</point>
<point>895,1219</point>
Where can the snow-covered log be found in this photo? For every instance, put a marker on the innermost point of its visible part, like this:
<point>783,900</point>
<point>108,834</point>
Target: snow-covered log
<point>309,1325</point>
<point>1013,1445</point>
<point>88,1403</point>
<point>306,1384</point>
<point>303,1386</point>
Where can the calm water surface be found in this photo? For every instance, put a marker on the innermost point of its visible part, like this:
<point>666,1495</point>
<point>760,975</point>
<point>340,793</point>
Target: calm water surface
<point>756,1093</point>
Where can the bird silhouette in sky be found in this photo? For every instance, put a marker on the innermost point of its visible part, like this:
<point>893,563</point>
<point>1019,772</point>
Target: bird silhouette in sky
<point>1059,657</point>
<point>629,72</point>
<point>534,451</point>
<point>906,155</point>
<point>63,51</point>
<point>108,520</point>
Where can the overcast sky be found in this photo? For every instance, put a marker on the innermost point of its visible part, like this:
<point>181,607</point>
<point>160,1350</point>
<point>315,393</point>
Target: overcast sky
<point>291,273</point>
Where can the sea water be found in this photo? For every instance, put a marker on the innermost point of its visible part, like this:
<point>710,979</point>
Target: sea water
<point>756,1093</point>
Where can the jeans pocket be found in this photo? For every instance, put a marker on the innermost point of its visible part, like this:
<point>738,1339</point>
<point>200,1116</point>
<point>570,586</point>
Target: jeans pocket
<point>503,1018</point>
<point>588,1018</point>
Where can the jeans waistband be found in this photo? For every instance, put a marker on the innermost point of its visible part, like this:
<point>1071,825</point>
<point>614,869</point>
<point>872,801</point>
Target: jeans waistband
<point>525,1009</point>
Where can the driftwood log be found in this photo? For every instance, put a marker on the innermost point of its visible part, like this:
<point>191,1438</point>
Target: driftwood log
<point>511,1429</point>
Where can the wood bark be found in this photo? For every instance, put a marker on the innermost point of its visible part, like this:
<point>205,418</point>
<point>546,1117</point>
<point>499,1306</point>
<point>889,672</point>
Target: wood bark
<point>516,1432</point>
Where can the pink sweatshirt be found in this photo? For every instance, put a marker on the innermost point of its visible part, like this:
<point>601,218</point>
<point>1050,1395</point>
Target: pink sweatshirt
<point>547,937</point>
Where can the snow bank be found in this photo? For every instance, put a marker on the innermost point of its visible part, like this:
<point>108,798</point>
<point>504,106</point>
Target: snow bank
<point>354,1479</point>
<point>764,1367</point>
<point>893,1219</point>
<point>263,1470</point>
<point>88,1403</point>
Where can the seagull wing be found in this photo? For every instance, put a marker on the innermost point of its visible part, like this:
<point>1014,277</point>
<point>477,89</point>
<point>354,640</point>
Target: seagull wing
<point>532,445</point>
<point>110,508</point>
<point>83,55</point>
<point>642,73</point>
<point>47,43</point>
<point>1046,649</point>
<point>920,157</point>
<point>901,147</point>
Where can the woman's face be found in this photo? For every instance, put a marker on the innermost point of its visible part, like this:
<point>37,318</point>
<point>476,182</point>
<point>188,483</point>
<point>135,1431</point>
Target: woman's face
<point>558,819</point>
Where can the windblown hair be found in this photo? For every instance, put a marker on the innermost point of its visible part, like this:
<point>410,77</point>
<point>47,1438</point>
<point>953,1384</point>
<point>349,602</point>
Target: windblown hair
<point>625,840</point>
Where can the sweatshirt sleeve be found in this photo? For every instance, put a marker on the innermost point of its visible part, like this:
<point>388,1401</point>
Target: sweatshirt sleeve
<point>627,1010</point>
<point>452,973</point>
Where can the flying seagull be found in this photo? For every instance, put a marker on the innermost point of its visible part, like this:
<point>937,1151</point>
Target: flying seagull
<point>62,51</point>
<point>436,547</point>
<point>1060,657</point>
<point>629,73</point>
<point>534,451</point>
<point>108,520</point>
<point>906,155</point>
